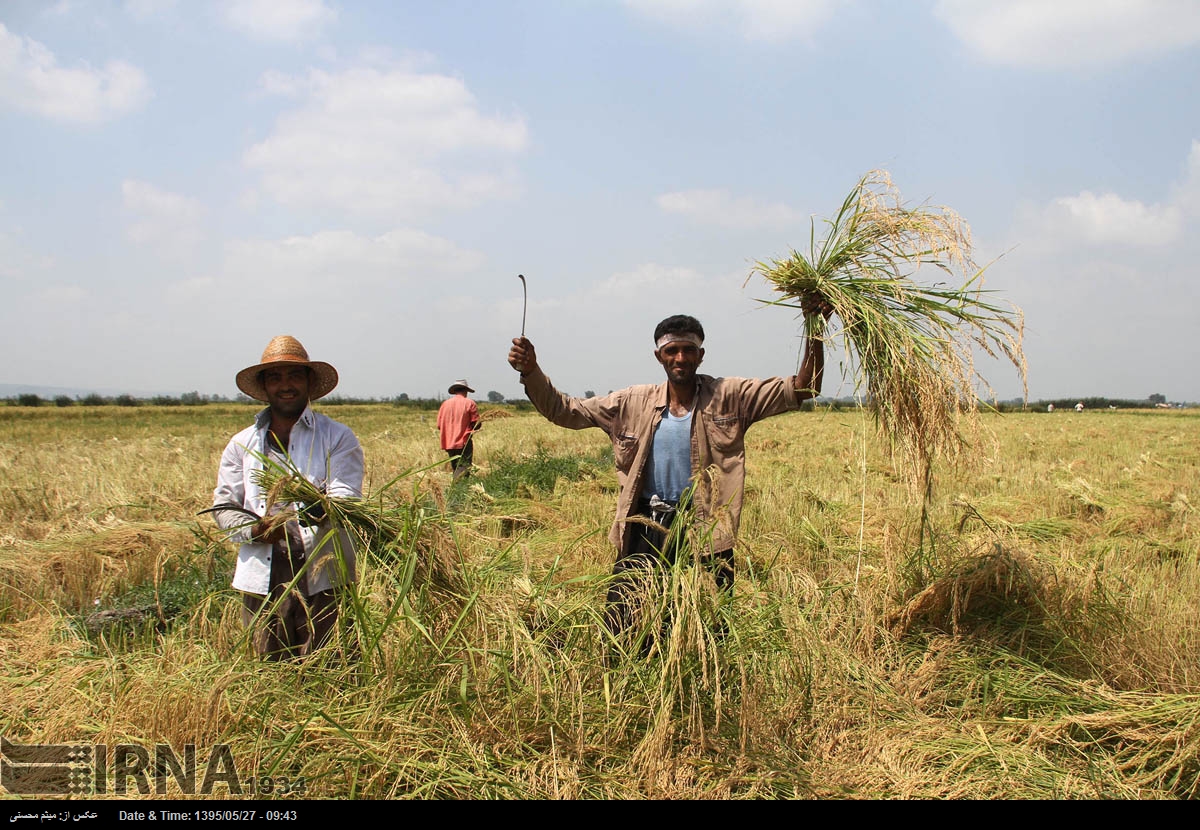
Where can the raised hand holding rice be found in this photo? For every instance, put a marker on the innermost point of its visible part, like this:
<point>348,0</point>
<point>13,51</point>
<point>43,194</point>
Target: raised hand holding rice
<point>910,345</point>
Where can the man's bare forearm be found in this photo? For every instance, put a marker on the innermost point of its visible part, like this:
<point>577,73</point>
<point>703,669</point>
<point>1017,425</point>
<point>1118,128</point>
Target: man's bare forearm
<point>812,369</point>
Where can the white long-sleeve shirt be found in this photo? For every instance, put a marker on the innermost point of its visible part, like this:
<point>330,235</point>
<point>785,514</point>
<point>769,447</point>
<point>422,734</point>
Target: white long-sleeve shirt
<point>329,455</point>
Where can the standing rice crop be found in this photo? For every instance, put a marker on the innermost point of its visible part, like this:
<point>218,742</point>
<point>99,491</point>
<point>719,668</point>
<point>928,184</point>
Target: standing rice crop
<point>911,345</point>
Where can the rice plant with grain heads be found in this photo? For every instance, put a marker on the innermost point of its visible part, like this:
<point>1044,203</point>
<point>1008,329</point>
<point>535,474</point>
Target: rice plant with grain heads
<point>911,344</point>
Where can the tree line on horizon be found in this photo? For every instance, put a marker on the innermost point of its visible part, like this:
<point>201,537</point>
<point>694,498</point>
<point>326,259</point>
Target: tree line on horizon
<point>196,399</point>
<point>403,400</point>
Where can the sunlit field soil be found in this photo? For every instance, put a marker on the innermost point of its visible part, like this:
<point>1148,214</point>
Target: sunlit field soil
<point>1033,631</point>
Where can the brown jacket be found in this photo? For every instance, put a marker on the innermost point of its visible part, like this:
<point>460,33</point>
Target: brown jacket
<point>725,409</point>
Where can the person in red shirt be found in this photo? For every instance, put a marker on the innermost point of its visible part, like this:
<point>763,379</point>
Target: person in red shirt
<point>458,421</point>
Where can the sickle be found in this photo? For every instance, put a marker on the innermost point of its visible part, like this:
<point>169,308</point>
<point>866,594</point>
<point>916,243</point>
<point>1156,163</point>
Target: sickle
<point>525,301</point>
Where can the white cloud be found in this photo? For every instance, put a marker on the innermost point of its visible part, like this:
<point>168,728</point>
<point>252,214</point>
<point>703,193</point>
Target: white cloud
<point>31,80</point>
<point>1110,219</point>
<point>1106,218</point>
<point>718,207</point>
<point>286,20</point>
<point>146,9</point>
<point>643,280</point>
<point>62,294</point>
<point>1066,33</point>
<point>756,20</point>
<point>17,262</point>
<point>274,82</point>
<point>1187,193</point>
<point>193,290</point>
<point>343,258</point>
<point>385,143</point>
<point>61,8</point>
<point>159,217</point>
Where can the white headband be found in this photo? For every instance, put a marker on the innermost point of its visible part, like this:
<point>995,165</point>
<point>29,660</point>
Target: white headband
<point>679,337</point>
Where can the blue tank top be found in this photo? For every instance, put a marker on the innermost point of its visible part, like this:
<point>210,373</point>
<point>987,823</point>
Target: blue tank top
<point>669,467</point>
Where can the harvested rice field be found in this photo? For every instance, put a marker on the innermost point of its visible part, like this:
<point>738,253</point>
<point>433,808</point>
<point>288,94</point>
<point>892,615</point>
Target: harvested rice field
<point>1030,631</point>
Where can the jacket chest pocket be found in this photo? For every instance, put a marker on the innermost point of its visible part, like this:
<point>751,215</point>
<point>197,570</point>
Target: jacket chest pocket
<point>624,450</point>
<point>724,434</point>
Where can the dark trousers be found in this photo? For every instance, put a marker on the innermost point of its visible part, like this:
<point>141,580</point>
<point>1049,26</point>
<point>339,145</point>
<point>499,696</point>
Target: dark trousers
<point>460,459</point>
<point>293,623</point>
<point>646,550</point>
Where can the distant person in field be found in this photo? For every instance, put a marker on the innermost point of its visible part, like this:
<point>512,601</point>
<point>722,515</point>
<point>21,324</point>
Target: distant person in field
<point>458,421</point>
<point>290,571</point>
<point>685,435</point>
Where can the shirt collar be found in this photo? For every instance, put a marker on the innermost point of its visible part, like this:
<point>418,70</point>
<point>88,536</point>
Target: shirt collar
<point>263,419</point>
<point>663,401</point>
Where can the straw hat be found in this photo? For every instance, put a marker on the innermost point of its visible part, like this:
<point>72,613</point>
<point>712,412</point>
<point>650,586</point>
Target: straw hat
<point>461,383</point>
<point>281,351</point>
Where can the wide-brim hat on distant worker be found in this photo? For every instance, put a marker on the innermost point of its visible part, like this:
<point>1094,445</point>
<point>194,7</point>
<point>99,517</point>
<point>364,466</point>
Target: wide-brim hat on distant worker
<point>461,383</point>
<point>286,350</point>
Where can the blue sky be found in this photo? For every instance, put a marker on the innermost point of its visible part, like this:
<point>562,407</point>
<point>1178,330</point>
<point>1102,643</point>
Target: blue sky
<point>180,181</point>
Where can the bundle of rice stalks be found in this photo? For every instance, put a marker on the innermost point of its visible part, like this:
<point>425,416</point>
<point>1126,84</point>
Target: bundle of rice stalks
<point>74,571</point>
<point>911,345</point>
<point>990,588</point>
<point>494,414</point>
<point>383,532</point>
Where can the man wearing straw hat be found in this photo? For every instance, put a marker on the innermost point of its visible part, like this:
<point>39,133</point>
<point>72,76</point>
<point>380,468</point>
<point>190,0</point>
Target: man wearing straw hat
<point>679,440</point>
<point>290,560</point>
<point>458,421</point>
